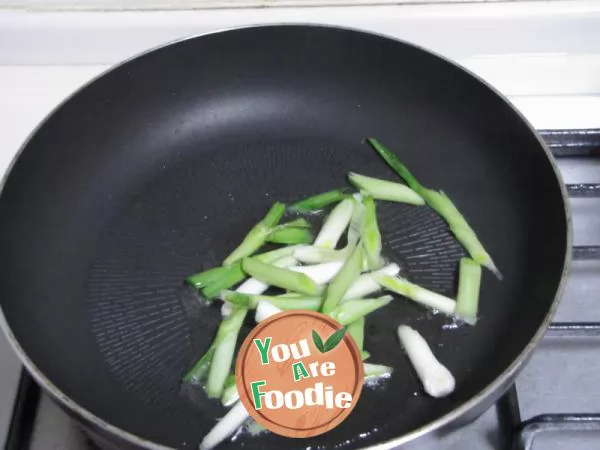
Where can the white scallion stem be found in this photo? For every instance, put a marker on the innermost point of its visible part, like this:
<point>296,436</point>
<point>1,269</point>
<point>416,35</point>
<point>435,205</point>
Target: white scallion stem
<point>335,224</point>
<point>436,379</point>
<point>366,284</point>
<point>226,309</point>
<point>271,256</point>
<point>357,222</point>
<point>230,395</point>
<point>320,273</point>
<point>315,255</point>
<point>252,286</point>
<point>417,293</point>
<point>264,310</point>
<point>374,371</point>
<point>385,190</point>
<point>234,418</point>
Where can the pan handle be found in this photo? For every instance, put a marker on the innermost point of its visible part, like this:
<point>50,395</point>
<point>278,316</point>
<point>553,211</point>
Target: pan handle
<point>24,412</point>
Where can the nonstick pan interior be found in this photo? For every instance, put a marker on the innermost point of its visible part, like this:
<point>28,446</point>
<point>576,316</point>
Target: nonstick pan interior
<point>158,168</point>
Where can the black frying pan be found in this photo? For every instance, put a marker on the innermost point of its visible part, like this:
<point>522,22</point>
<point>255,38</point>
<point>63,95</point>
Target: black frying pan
<point>159,167</point>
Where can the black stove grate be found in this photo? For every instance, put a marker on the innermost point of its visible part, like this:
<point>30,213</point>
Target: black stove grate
<point>520,435</point>
<point>516,434</point>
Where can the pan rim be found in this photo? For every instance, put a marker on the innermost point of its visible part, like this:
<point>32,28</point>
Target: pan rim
<point>485,394</point>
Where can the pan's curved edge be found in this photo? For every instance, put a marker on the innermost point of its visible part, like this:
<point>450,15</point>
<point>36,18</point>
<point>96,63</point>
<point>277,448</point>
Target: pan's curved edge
<point>487,393</point>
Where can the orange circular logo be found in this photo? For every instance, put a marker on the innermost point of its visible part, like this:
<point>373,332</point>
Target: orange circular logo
<point>299,374</point>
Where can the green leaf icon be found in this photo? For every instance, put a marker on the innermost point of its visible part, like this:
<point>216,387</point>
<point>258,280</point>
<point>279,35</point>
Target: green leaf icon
<point>333,340</point>
<point>318,341</point>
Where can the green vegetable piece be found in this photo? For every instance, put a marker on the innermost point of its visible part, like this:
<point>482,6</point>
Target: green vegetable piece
<point>308,303</point>
<point>224,344</point>
<point>315,255</point>
<point>271,256</point>
<point>319,201</point>
<point>371,235</point>
<point>230,380</point>
<point>209,276</point>
<point>373,371</point>
<point>300,222</point>
<point>392,160</point>
<point>335,224</point>
<point>290,235</point>
<point>385,190</point>
<point>274,215</point>
<point>215,280</point>
<point>357,223</point>
<point>357,330</point>
<point>289,295</point>
<point>442,204</point>
<point>286,303</point>
<point>230,277</point>
<point>238,299</point>
<point>467,299</point>
<point>343,280</point>
<point>257,235</point>
<point>352,310</point>
<point>277,276</point>
<point>230,393</point>
<point>198,372</point>
<point>417,293</point>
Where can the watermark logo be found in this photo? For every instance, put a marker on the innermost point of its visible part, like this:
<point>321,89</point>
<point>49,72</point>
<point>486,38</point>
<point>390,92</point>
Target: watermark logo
<point>299,374</point>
